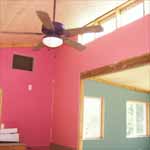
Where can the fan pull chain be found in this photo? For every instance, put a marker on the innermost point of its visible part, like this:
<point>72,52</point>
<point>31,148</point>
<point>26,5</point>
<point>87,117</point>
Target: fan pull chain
<point>54,11</point>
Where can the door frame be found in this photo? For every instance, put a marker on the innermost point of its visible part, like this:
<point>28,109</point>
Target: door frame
<point>1,94</point>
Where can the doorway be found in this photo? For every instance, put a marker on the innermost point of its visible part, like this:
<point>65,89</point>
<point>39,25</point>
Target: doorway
<point>107,75</point>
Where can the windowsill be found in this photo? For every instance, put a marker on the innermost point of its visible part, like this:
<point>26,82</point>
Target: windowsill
<point>139,136</point>
<point>98,138</point>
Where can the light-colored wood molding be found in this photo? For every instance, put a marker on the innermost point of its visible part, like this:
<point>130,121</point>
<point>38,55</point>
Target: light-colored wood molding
<point>131,4</point>
<point>132,88</point>
<point>138,101</point>
<point>18,45</point>
<point>1,94</point>
<point>12,146</point>
<point>19,40</point>
<point>147,119</point>
<point>102,118</point>
<point>81,110</point>
<point>119,66</point>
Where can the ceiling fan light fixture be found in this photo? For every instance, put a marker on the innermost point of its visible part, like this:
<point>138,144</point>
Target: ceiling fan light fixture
<point>52,41</point>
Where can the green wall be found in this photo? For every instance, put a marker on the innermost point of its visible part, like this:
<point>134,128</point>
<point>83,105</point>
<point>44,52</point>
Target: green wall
<point>115,118</point>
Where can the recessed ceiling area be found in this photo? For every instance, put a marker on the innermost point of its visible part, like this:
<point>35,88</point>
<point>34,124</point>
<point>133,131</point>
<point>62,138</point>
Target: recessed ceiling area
<point>20,16</point>
<point>135,79</point>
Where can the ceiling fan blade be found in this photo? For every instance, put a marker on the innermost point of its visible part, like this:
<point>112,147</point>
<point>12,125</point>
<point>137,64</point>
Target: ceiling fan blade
<point>45,19</point>
<point>76,31</point>
<point>74,44</point>
<point>38,46</point>
<point>21,33</point>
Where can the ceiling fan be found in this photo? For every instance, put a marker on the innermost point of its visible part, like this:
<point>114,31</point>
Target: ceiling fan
<point>55,34</point>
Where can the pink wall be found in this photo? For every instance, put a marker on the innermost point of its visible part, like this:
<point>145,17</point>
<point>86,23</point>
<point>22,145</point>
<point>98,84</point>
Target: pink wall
<point>30,111</point>
<point>128,41</point>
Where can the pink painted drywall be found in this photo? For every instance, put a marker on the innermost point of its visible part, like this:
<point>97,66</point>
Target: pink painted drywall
<point>129,41</point>
<point>29,111</point>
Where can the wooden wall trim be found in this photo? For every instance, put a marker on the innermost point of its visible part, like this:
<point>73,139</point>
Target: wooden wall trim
<point>1,94</point>
<point>102,118</point>
<point>148,119</point>
<point>17,45</point>
<point>120,66</point>
<point>37,148</point>
<point>81,110</point>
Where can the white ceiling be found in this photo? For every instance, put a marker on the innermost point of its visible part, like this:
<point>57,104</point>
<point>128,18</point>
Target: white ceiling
<point>137,77</point>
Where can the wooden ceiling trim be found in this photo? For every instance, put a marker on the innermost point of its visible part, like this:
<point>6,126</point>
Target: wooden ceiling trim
<point>116,67</point>
<point>20,40</point>
<point>131,88</point>
<point>18,45</point>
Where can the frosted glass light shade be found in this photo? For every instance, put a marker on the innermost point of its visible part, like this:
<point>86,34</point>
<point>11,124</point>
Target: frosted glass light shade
<point>51,41</point>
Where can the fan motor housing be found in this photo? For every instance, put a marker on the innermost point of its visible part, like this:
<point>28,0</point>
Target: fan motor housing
<point>59,28</point>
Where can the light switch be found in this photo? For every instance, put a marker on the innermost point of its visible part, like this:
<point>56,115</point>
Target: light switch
<point>29,87</point>
<point>2,126</point>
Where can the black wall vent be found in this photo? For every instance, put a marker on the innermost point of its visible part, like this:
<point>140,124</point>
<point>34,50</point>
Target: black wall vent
<point>22,62</point>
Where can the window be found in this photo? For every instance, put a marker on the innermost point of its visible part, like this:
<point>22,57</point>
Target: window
<point>137,124</point>
<point>131,13</point>
<point>119,16</point>
<point>93,118</point>
<point>109,25</point>
<point>147,6</point>
<point>86,38</point>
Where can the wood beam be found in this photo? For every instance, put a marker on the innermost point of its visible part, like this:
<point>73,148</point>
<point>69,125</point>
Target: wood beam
<point>120,66</point>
